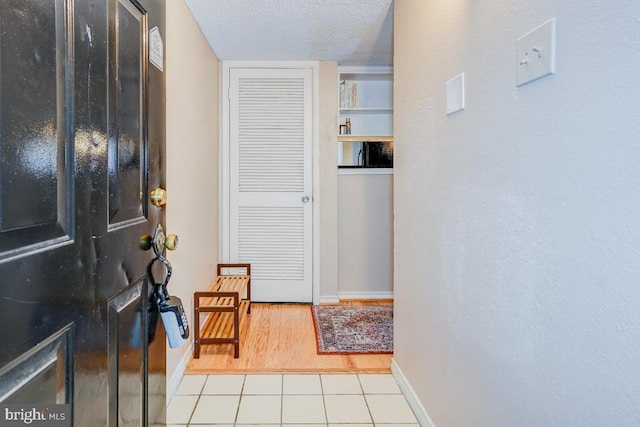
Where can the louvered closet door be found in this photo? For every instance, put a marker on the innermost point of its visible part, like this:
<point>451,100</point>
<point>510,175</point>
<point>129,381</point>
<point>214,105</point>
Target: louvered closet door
<point>270,180</point>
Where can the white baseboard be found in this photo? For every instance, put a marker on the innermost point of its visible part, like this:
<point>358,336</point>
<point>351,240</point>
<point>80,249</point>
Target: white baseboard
<point>329,300</point>
<point>176,377</point>
<point>410,394</point>
<point>365,295</point>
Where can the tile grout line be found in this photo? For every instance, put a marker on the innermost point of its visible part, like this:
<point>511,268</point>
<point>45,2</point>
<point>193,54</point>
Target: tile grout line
<point>366,402</point>
<point>198,399</point>
<point>235,419</point>
<point>324,401</point>
<point>281,398</point>
<point>193,410</point>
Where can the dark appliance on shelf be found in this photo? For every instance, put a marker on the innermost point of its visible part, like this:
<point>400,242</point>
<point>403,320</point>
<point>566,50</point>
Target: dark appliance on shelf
<point>377,154</point>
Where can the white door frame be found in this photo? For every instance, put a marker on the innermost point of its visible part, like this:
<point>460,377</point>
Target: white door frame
<point>224,204</point>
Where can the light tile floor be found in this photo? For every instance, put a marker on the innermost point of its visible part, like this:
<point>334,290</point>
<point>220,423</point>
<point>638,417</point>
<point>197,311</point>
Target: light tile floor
<point>332,400</point>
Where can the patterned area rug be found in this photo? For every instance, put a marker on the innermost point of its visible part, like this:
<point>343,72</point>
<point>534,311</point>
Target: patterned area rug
<point>346,329</point>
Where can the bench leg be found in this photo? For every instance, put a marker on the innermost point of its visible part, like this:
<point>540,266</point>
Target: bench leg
<point>196,328</point>
<point>249,292</point>
<point>236,332</point>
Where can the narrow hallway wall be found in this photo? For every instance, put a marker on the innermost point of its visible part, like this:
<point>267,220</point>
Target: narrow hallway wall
<point>325,183</point>
<point>517,237</point>
<point>192,165</point>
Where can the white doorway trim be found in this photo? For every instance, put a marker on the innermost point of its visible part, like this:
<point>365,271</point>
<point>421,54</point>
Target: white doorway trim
<point>224,243</point>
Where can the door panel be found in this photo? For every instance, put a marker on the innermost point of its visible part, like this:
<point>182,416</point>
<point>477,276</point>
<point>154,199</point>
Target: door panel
<point>79,149</point>
<point>41,374</point>
<point>126,356</point>
<point>270,177</point>
<point>34,147</point>
<point>127,151</point>
<point>274,238</point>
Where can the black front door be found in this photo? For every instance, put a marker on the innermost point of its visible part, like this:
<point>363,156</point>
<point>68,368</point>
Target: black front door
<point>81,145</point>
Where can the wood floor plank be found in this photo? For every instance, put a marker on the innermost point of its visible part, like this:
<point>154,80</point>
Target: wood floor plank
<point>280,338</point>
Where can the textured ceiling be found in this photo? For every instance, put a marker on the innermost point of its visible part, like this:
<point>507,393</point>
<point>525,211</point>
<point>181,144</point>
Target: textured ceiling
<point>352,32</point>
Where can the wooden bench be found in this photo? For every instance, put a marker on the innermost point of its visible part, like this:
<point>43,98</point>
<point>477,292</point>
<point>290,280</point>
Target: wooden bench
<point>227,299</point>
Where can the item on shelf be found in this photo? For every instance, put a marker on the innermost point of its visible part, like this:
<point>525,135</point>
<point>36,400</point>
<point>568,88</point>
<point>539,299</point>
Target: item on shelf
<point>348,124</point>
<point>343,129</point>
<point>348,94</point>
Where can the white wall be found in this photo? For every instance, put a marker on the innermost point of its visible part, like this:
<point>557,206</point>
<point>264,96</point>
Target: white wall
<point>517,231</point>
<point>326,243</point>
<point>365,235</point>
<point>192,164</point>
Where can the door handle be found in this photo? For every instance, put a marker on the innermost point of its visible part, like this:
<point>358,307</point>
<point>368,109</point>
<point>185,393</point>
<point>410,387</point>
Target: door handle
<point>305,199</point>
<point>159,241</point>
<point>158,197</point>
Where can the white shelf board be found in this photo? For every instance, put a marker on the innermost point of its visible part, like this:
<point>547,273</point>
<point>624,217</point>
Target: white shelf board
<point>364,138</point>
<point>365,171</point>
<point>356,110</point>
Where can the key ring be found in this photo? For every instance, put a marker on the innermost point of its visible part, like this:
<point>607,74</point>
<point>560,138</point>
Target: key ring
<point>158,245</point>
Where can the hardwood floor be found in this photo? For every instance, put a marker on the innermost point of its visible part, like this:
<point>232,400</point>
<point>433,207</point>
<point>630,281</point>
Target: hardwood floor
<point>281,338</point>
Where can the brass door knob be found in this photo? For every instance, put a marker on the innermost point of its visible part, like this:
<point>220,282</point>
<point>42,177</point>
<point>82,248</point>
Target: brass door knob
<point>158,197</point>
<point>145,242</point>
<point>171,242</point>
<point>159,241</point>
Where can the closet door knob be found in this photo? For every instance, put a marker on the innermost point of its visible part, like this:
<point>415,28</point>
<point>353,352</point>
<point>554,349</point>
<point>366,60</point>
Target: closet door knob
<point>305,199</point>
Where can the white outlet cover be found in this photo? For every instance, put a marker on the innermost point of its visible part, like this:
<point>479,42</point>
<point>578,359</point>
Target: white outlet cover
<point>536,53</point>
<point>455,94</point>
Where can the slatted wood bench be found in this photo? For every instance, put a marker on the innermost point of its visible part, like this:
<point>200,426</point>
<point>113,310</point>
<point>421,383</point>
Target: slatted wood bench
<point>227,299</point>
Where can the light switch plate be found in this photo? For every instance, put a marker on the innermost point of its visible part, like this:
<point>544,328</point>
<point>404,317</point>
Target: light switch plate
<point>455,94</point>
<point>536,53</point>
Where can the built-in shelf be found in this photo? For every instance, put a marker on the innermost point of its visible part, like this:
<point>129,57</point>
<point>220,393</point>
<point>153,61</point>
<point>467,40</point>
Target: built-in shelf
<point>367,73</point>
<point>366,110</point>
<point>363,138</point>
<point>366,102</point>
<point>365,171</point>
